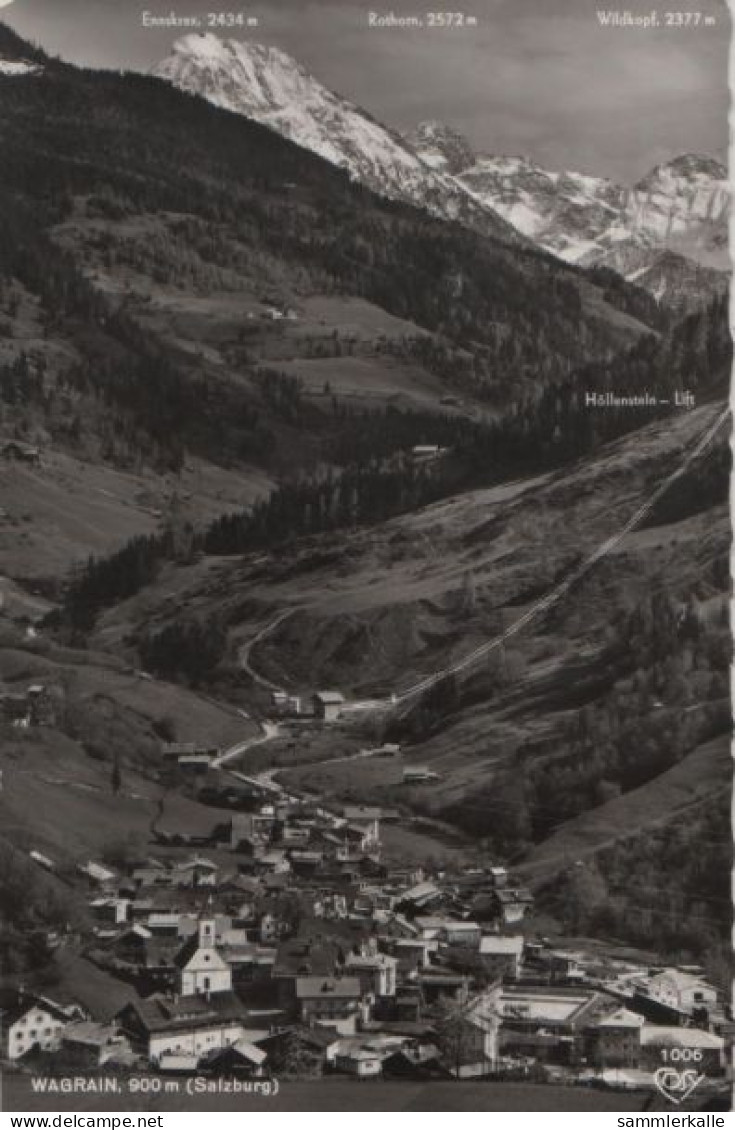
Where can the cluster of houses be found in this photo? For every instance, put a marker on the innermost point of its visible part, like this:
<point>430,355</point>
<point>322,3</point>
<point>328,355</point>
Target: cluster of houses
<point>292,949</point>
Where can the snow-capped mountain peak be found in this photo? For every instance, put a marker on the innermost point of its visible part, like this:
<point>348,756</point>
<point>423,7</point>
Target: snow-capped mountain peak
<point>267,85</point>
<point>685,191</point>
<point>555,209</point>
<point>671,224</point>
<point>441,147</point>
<point>690,169</point>
<point>246,77</point>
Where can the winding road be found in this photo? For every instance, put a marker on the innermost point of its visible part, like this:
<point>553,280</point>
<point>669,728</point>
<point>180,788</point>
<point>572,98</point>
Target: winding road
<point>269,731</point>
<point>263,633</point>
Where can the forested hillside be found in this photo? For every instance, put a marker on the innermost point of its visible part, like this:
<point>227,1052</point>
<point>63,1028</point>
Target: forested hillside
<point>117,190</point>
<point>545,431</point>
<point>667,889</point>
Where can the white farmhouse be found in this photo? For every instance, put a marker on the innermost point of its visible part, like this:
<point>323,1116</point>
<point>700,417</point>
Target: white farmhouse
<point>31,1023</point>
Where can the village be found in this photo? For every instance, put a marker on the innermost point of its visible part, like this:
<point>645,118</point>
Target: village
<point>281,944</point>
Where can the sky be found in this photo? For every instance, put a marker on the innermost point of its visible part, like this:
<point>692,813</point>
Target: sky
<point>541,78</point>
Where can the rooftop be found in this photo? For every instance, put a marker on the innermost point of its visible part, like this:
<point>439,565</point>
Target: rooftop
<point>89,1032</point>
<point>517,1004</point>
<point>361,812</point>
<point>680,1037</point>
<point>622,1018</point>
<point>435,922</point>
<point>491,944</point>
<point>161,1014</point>
<point>18,1004</point>
<point>315,988</point>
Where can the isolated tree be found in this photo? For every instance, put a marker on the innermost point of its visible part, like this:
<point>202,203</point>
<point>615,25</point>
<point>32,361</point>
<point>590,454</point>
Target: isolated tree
<point>165,728</point>
<point>468,595</point>
<point>443,697</point>
<point>508,811</point>
<point>606,791</point>
<point>296,1058</point>
<point>460,1027</point>
<point>454,1033</point>
<point>585,893</point>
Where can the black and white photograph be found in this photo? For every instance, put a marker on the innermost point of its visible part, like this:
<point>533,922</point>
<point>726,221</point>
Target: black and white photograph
<point>365,703</point>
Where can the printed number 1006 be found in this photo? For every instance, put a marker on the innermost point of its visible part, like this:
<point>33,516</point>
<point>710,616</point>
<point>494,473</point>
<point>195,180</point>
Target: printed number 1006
<point>681,1055</point>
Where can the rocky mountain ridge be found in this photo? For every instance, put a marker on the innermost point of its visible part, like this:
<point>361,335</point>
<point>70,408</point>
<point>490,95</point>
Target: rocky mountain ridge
<point>666,233</point>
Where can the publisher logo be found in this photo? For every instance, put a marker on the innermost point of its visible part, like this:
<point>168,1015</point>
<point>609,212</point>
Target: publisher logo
<point>677,1086</point>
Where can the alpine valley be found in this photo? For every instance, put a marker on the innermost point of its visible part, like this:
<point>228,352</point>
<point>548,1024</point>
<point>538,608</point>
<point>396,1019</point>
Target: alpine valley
<point>290,403</point>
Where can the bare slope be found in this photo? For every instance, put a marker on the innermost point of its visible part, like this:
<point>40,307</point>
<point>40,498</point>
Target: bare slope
<point>691,785</point>
<point>376,609</point>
